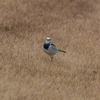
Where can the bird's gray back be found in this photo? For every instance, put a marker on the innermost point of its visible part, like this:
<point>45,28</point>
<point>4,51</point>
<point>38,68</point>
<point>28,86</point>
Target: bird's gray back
<point>53,47</point>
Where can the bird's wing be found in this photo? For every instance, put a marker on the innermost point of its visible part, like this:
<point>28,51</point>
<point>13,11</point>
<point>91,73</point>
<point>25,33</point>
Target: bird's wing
<point>53,47</point>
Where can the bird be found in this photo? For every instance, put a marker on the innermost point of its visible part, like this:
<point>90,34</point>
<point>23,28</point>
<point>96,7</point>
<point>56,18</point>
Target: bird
<point>50,49</point>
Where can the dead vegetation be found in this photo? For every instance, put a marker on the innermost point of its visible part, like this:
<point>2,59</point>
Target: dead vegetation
<point>26,72</point>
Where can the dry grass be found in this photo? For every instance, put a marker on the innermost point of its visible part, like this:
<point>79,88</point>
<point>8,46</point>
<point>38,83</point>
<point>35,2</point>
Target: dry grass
<point>26,72</point>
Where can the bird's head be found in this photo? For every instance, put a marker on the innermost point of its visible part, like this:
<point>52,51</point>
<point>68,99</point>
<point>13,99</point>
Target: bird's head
<point>48,40</point>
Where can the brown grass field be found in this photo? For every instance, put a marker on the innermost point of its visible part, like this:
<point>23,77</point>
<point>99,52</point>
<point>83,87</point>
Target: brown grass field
<point>26,72</point>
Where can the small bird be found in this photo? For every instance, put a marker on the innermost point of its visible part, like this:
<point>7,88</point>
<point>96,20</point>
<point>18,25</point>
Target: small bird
<point>50,48</point>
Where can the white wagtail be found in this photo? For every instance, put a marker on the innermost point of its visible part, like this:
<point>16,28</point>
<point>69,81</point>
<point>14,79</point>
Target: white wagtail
<point>50,48</point>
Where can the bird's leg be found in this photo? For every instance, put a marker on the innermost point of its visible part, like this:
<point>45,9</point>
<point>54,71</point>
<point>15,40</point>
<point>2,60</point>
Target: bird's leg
<point>51,57</point>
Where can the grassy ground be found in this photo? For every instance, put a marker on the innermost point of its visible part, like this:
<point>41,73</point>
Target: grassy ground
<point>27,73</point>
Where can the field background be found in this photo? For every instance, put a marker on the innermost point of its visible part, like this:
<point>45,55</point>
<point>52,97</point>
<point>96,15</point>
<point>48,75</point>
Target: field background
<point>26,72</point>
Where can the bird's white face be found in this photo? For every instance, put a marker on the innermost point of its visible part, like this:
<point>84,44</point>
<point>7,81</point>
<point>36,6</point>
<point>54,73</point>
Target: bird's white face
<point>48,40</point>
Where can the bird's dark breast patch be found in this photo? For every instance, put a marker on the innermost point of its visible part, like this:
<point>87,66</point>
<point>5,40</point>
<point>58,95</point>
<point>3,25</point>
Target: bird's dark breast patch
<point>46,45</point>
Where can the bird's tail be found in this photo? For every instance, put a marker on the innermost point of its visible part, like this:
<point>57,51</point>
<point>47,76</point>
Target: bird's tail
<point>62,51</point>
